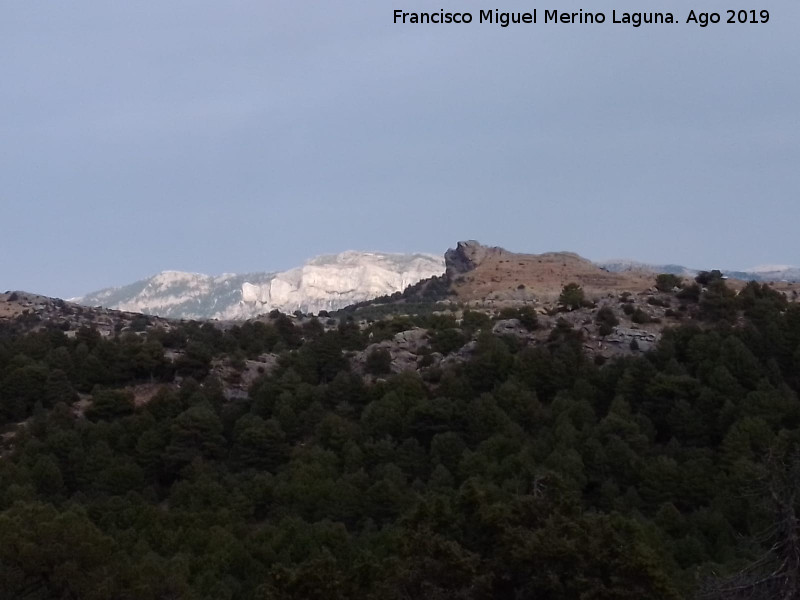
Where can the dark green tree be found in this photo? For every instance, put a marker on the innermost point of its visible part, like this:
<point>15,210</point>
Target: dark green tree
<point>572,296</point>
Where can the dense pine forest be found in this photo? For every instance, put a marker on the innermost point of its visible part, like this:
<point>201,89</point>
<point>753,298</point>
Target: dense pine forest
<point>523,471</point>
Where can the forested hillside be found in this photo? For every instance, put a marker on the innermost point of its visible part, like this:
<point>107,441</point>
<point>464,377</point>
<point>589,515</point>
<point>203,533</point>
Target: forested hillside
<point>521,471</point>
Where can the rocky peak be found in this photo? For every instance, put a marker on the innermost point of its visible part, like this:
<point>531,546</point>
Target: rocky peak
<point>466,256</point>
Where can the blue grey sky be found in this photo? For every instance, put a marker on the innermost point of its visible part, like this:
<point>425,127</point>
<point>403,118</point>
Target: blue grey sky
<point>244,136</point>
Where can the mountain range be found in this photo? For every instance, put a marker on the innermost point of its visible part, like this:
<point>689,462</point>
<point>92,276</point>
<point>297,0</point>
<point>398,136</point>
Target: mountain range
<point>331,282</point>
<point>327,282</point>
<point>760,273</point>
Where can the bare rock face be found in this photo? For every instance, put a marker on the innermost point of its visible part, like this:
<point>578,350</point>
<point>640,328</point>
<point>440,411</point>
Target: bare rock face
<point>404,349</point>
<point>332,282</point>
<point>323,283</point>
<point>411,340</point>
<point>511,327</point>
<point>466,256</point>
<point>625,336</point>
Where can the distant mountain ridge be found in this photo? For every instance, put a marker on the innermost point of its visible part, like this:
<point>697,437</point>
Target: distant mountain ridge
<point>761,273</point>
<point>774,273</point>
<point>326,282</point>
<point>331,282</point>
<point>624,265</point>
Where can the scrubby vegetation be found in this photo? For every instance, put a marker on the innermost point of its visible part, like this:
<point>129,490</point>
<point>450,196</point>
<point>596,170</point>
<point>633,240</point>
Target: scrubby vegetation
<point>666,282</point>
<point>607,320</point>
<point>522,472</point>
<point>572,297</point>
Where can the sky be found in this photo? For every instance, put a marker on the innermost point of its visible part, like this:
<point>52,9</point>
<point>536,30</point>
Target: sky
<point>245,136</point>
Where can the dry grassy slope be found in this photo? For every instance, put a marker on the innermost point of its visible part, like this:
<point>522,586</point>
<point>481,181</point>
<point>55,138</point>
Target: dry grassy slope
<point>499,274</point>
<point>481,273</point>
<point>11,306</point>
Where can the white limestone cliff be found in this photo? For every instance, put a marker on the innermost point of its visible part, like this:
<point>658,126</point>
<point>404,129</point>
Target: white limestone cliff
<point>323,283</point>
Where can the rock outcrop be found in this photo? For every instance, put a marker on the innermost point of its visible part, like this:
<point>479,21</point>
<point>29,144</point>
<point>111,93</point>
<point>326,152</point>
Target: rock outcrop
<point>479,273</point>
<point>466,256</point>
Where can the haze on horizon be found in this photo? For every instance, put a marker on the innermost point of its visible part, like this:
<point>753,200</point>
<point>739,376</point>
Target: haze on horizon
<point>241,137</point>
